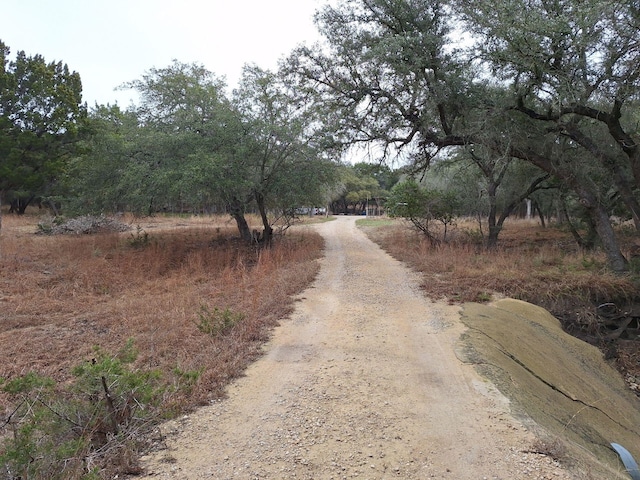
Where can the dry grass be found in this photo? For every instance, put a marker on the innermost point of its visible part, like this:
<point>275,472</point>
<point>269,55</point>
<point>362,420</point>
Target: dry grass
<point>539,265</point>
<point>61,296</point>
<point>553,447</point>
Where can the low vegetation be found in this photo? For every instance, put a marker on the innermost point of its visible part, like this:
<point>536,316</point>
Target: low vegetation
<point>102,336</point>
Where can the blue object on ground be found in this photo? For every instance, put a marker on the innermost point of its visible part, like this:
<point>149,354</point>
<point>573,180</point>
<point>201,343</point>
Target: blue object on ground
<point>628,460</point>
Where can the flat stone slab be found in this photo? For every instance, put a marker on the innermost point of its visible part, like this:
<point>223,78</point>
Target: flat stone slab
<point>560,382</point>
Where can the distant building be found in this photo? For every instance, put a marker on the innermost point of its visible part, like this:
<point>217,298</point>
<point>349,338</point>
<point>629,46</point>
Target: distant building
<point>311,211</point>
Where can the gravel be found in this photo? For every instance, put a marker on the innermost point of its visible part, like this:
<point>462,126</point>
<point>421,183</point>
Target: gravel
<point>361,382</point>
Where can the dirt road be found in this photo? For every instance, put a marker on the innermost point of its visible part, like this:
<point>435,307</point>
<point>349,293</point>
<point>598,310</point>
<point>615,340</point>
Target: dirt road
<point>361,382</point>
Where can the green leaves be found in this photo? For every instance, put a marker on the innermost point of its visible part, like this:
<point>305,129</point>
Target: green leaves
<point>386,75</point>
<point>27,383</point>
<point>188,146</point>
<point>281,159</point>
<point>74,431</point>
<point>40,115</point>
<point>424,208</point>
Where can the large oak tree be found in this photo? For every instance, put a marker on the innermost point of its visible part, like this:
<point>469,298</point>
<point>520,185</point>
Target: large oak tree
<point>558,78</point>
<point>572,67</point>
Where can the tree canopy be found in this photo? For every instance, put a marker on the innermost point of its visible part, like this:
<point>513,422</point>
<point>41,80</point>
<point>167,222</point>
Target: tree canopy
<point>555,89</point>
<point>41,113</point>
<point>188,144</point>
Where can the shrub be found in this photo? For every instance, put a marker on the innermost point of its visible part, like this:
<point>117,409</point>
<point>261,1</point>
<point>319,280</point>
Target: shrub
<point>217,322</point>
<point>84,429</point>
<point>431,212</point>
<point>140,239</point>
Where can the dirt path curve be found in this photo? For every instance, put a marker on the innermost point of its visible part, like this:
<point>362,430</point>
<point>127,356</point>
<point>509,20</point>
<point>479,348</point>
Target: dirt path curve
<point>361,382</point>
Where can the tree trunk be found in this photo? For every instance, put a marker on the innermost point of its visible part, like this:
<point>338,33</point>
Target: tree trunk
<point>243,226</point>
<point>617,170</point>
<point>492,238</point>
<point>267,232</point>
<point>237,212</point>
<point>604,229</point>
<point>494,227</point>
<point>596,211</point>
<point>23,204</point>
<point>536,208</point>
<point>587,243</point>
<point>618,262</point>
<point>54,208</point>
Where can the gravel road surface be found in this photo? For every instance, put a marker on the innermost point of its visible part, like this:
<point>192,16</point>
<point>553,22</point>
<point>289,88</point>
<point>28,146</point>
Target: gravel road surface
<point>361,382</point>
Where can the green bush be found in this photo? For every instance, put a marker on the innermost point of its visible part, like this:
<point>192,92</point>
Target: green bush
<point>431,212</point>
<point>217,322</point>
<point>84,430</point>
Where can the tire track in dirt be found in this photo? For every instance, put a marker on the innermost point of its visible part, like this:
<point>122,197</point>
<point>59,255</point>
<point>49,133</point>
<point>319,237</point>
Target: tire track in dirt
<point>361,382</point>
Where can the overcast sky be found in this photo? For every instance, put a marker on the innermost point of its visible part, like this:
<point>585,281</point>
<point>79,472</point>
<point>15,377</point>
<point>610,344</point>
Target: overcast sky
<point>110,42</point>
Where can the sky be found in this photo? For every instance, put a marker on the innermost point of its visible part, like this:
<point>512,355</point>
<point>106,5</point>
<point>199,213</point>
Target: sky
<point>116,41</point>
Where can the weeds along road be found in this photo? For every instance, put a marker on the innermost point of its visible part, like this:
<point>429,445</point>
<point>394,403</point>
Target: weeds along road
<point>361,382</point>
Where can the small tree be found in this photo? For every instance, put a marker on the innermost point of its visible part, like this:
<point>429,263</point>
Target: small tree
<point>283,162</point>
<point>425,209</point>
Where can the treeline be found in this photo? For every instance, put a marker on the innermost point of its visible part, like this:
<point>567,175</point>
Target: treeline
<point>533,94</point>
<point>487,105</point>
<point>186,145</point>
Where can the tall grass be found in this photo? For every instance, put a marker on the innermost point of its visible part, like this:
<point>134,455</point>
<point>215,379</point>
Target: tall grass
<point>538,265</point>
<point>63,296</point>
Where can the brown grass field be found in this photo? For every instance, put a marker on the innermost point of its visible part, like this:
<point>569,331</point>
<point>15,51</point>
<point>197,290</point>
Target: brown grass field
<point>61,296</point>
<point>157,287</point>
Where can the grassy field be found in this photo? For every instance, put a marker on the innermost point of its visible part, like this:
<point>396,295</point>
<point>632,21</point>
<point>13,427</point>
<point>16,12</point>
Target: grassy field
<point>179,302</point>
